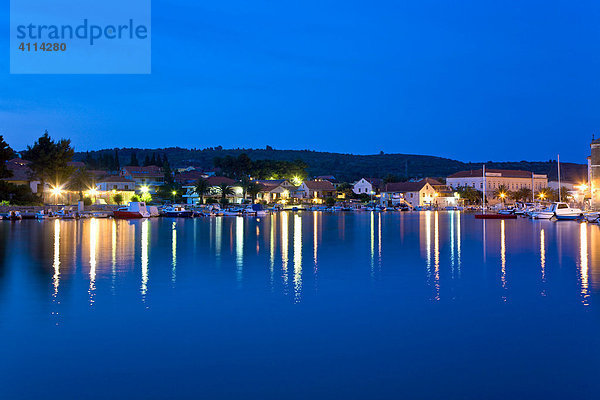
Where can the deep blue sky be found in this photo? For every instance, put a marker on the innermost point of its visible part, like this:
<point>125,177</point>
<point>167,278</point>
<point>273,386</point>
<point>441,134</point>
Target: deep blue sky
<point>471,80</point>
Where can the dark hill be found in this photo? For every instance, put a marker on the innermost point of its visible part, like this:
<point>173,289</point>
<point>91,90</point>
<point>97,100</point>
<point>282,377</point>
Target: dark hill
<point>346,167</point>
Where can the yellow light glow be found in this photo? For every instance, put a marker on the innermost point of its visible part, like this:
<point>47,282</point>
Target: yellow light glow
<point>93,192</point>
<point>583,187</point>
<point>56,191</point>
<point>502,195</point>
<point>144,189</point>
<point>174,192</point>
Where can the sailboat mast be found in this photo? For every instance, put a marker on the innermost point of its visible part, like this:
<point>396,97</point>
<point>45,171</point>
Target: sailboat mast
<point>484,188</point>
<point>559,184</point>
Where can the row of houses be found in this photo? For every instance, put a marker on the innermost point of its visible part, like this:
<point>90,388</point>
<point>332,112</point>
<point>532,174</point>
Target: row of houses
<point>428,191</point>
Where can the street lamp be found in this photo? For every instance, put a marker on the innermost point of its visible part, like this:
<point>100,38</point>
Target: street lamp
<point>56,191</point>
<point>144,189</point>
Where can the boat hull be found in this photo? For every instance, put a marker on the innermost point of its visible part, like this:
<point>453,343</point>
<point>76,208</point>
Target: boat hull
<point>179,214</point>
<point>128,215</point>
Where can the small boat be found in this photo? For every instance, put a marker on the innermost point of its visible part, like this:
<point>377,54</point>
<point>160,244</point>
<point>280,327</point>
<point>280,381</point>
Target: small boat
<point>97,214</point>
<point>176,211</point>
<point>134,210</point>
<point>12,216</point>
<point>592,216</point>
<point>255,210</point>
<point>233,212</point>
<point>44,214</point>
<point>67,214</point>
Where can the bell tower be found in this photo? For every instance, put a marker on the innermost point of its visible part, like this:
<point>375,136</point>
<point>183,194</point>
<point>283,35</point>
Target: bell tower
<point>594,173</point>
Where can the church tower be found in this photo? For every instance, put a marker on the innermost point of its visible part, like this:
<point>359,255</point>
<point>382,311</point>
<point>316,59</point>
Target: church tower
<point>594,173</point>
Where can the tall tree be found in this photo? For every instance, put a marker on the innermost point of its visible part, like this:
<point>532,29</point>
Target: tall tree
<point>147,160</point>
<point>49,159</point>
<point>117,162</point>
<point>254,189</point>
<point>79,181</point>
<point>134,161</point>
<point>6,153</point>
<point>202,188</point>
<point>225,190</point>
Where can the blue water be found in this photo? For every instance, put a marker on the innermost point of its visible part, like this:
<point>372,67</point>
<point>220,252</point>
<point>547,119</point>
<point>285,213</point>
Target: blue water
<point>295,306</point>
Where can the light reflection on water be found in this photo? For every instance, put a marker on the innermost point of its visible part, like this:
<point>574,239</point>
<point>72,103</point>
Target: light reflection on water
<point>440,233</point>
<point>391,283</point>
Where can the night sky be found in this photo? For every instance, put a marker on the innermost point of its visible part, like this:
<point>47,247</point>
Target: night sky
<point>470,80</point>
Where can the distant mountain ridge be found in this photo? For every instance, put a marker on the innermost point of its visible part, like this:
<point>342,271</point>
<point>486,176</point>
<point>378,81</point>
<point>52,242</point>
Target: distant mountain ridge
<point>347,167</point>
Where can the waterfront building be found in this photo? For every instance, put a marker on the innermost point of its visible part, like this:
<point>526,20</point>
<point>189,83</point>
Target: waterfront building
<point>275,190</point>
<point>317,191</point>
<point>594,173</point>
<point>513,180</point>
<point>214,183</point>
<point>22,175</point>
<point>420,193</point>
<point>367,186</point>
<point>147,179</point>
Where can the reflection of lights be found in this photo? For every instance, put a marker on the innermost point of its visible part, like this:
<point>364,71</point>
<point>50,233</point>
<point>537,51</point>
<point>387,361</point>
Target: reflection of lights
<point>114,253</point>
<point>503,255</point>
<point>239,246</point>
<point>145,233</point>
<point>94,228</point>
<point>584,262</point>
<point>428,241</point>
<point>218,234</point>
<point>315,241</point>
<point>436,233</point>
<point>458,243</point>
<point>56,263</point>
<point>174,251</point>
<point>297,257</point>
<point>372,244</point>
<point>543,256</point>
<point>284,247</point>
<point>272,249</point>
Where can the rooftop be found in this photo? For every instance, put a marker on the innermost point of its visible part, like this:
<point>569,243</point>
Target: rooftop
<point>405,186</point>
<point>505,173</point>
<point>319,185</point>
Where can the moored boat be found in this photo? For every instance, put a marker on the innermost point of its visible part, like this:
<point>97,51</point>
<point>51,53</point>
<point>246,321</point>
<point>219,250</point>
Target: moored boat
<point>176,211</point>
<point>134,210</point>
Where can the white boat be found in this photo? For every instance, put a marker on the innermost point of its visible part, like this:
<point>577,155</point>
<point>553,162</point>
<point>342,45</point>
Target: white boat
<point>562,211</point>
<point>255,210</point>
<point>543,214</point>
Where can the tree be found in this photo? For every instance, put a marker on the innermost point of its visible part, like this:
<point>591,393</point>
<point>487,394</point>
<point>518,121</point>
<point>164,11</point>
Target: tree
<point>253,190</point>
<point>118,198</point>
<point>135,198</point>
<point>225,190</point>
<point>134,161</point>
<point>147,161</point>
<point>49,159</point>
<point>202,188</point>
<point>244,183</point>
<point>523,194</point>
<point>469,194</point>
<point>79,181</point>
<point>330,201</point>
<point>117,162</point>
<point>6,153</point>
<point>502,192</point>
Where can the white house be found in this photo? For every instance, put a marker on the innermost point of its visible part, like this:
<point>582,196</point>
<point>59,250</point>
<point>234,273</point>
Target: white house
<point>414,193</point>
<point>274,190</point>
<point>367,186</point>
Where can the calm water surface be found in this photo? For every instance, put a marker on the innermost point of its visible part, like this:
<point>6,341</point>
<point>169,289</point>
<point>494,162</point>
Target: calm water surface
<point>308,305</point>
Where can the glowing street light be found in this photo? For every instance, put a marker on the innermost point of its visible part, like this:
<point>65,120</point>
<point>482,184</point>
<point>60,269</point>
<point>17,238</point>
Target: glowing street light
<point>144,189</point>
<point>56,191</point>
